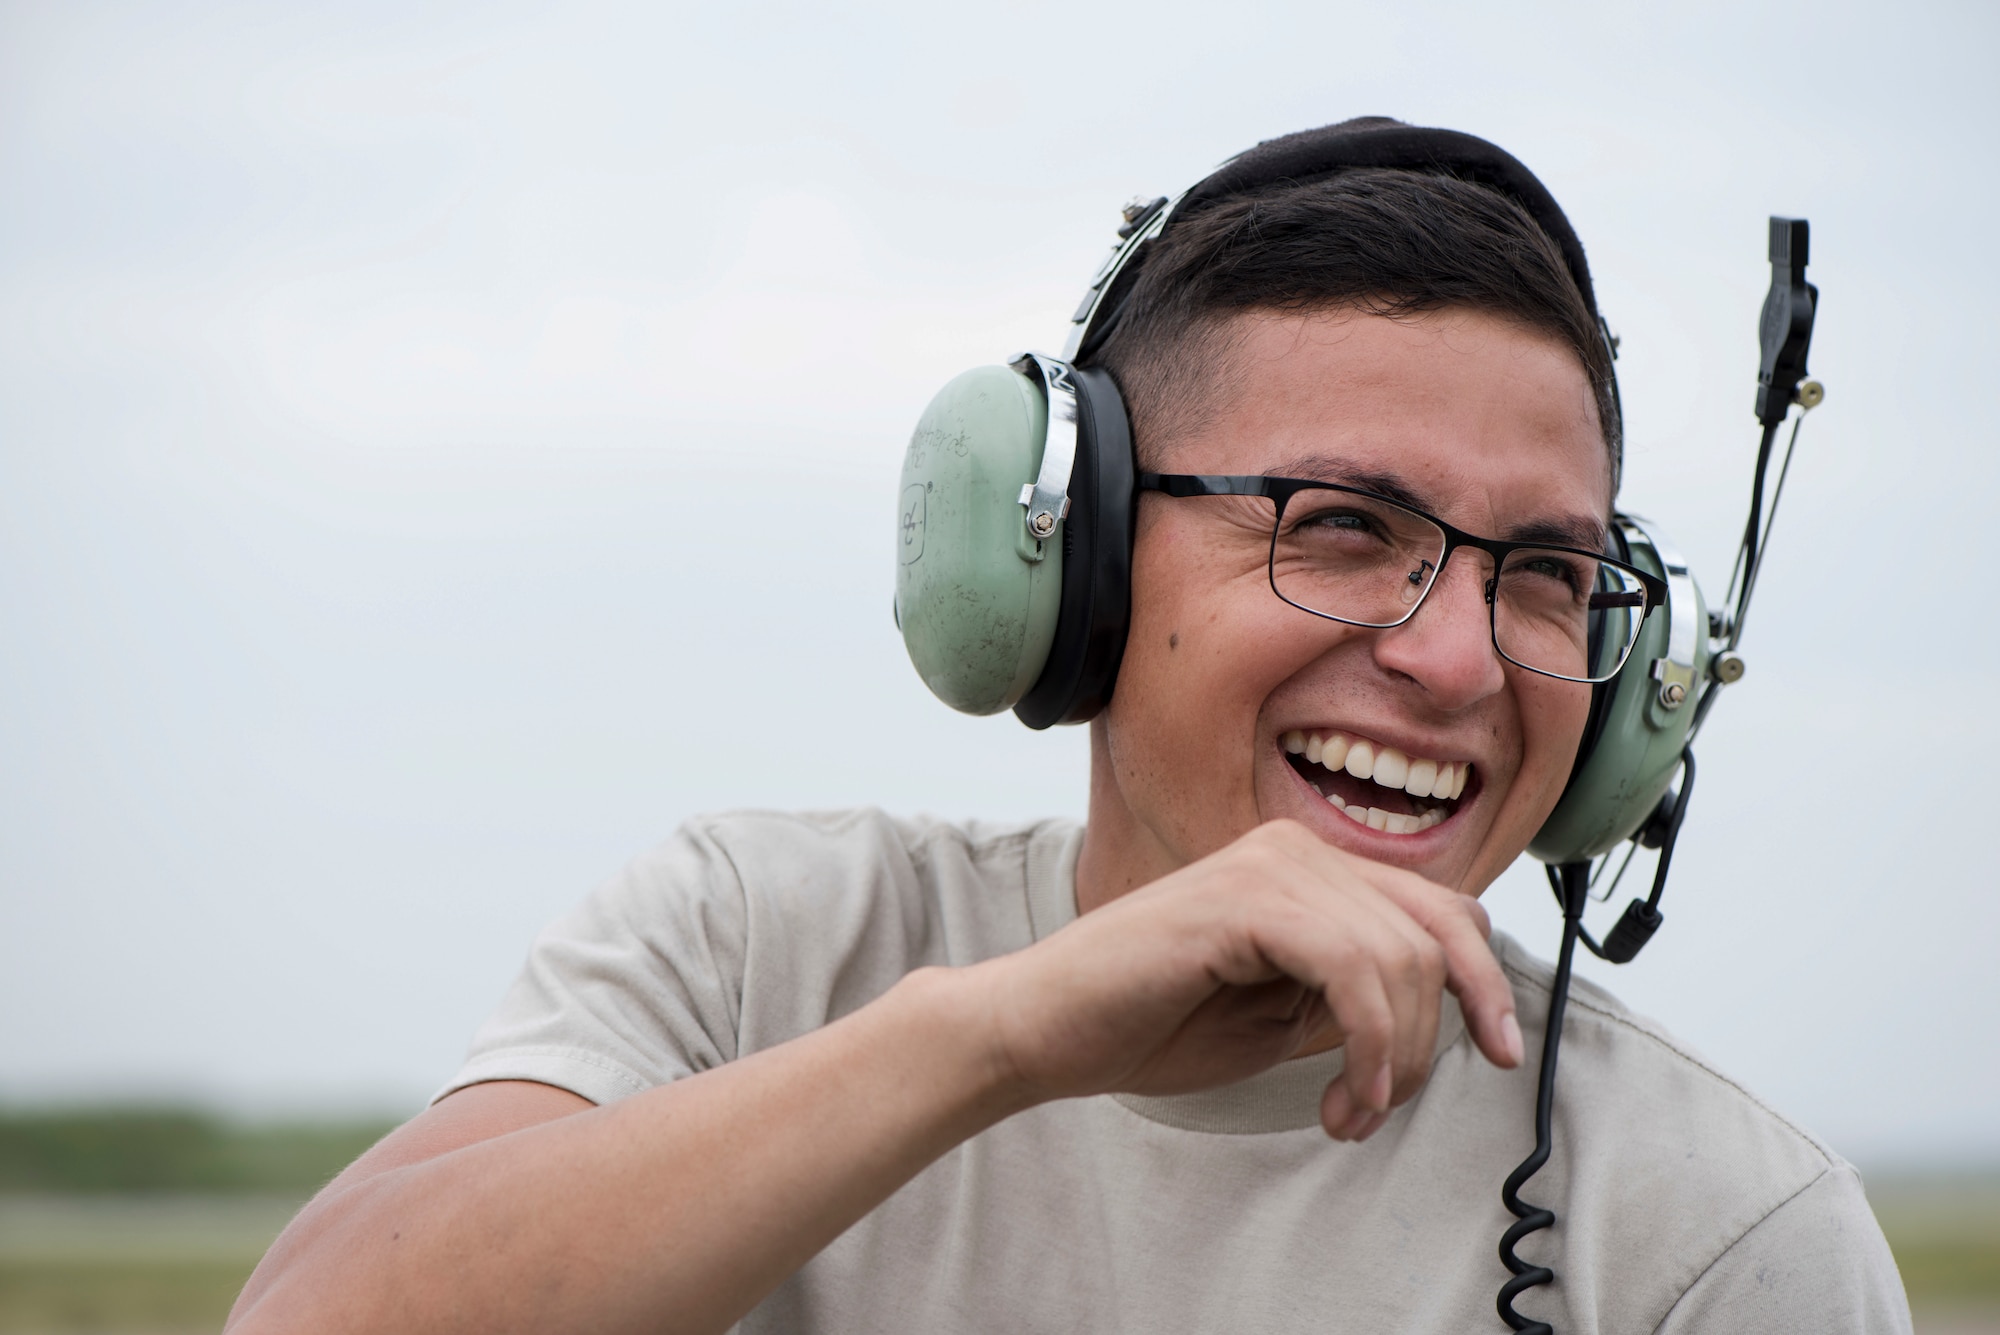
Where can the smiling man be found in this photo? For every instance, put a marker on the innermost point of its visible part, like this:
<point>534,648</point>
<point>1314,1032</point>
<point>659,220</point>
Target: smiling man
<point>1238,1053</point>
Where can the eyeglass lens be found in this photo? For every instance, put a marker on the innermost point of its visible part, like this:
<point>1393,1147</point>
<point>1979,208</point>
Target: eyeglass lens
<point>1369,562</point>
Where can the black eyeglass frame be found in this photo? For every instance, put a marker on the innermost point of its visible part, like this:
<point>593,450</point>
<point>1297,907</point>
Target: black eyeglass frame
<point>1280,491</point>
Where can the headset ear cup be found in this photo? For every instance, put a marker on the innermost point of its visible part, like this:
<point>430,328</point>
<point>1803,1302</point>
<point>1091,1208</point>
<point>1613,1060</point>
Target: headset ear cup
<point>976,594</point>
<point>1632,743</point>
<point>1096,610</point>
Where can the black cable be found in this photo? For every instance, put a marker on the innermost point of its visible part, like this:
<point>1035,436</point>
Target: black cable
<point>1673,830</point>
<point>1764,539</point>
<point>1572,882</point>
<point>1746,555</point>
<point>1708,699</point>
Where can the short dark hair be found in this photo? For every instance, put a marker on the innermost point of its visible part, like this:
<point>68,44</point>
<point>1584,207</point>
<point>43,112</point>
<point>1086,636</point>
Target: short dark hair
<point>1389,241</point>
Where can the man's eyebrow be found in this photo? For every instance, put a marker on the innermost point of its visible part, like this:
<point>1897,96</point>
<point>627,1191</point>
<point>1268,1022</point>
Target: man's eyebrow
<point>1556,530</point>
<point>1320,468</point>
<point>1588,534</point>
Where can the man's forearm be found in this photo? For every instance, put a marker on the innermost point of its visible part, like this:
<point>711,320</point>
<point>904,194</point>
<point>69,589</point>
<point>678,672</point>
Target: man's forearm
<point>686,1204</point>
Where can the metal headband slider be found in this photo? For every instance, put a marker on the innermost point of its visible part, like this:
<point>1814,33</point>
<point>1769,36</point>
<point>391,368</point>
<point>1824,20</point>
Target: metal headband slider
<point>1675,670</point>
<point>1046,499</point>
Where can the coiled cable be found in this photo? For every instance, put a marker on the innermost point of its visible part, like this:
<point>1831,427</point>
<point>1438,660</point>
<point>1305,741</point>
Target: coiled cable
<point>1572,885</point>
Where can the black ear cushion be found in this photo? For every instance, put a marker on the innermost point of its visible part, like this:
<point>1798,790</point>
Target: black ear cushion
<point>1097,563</point>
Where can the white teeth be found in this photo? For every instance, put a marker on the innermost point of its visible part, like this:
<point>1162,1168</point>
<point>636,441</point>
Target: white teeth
<point>1387,766</point>
<point>1423,778</point>
<point>1389,822</point>
<point>1361,760</point>
<point>1333,799</point>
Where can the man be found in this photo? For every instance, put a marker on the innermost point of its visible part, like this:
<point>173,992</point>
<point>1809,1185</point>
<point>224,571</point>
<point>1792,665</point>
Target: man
<point>1238,1054</point>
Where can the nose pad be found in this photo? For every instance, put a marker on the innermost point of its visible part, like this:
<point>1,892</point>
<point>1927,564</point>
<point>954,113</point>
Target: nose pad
<point>1448,646</point>
<point>1418,581</point>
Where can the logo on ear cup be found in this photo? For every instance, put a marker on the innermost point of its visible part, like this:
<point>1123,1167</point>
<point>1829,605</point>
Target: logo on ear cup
<point>912,522</point>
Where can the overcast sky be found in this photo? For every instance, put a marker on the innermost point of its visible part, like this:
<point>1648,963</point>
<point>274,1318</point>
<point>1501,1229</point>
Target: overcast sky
<point>443,446</point>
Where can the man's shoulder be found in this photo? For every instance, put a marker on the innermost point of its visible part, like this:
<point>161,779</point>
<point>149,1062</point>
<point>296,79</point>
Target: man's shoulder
<point>1660,1152</point>
<point>945,891</point>
<point>865,832</point>
<point>815,852</point>
<point>1625,1068</point>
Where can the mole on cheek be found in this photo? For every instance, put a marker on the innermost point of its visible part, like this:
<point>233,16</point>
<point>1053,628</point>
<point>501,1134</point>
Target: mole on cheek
<point>1173,641</point>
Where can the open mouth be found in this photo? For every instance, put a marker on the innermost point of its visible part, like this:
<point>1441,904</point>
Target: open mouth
<point>1376,785</point>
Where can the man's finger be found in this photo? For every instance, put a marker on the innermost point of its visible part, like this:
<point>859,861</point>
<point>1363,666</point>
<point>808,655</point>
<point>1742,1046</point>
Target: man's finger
<point>1473,974</point>
<point>1342,958</point>
<point>1421,972</point>
<point>1457,922</point>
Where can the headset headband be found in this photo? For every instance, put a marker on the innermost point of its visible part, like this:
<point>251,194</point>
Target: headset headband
<point>1377,141</point>
<point>1313,155</point>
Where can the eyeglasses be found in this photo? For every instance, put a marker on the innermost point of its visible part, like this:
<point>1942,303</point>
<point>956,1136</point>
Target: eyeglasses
<point>1364,560</point>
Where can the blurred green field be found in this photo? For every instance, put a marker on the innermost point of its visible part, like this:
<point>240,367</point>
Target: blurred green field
<point>147,1222</point>
<point>149,1151</point>
<point>1945,1231</point>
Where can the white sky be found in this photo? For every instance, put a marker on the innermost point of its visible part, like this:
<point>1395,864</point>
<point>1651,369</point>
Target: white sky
<point>439,451</point>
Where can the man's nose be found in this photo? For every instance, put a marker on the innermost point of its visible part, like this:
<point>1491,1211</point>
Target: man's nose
<point>1447,647</point>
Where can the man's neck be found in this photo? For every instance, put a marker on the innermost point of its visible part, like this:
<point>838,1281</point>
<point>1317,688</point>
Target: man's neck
<point>1119,852</point>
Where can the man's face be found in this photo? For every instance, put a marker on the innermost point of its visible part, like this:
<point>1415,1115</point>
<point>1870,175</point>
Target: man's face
<point>1483,423</point>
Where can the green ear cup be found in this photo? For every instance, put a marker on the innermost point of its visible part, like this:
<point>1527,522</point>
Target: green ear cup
<point>976,593</point>
<point>1638,748</point>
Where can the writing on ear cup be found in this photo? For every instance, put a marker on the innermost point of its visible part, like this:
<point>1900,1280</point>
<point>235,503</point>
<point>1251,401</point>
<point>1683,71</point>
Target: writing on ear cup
<point>1635,739</point>
<point>977,595</point>
<point>1097,563</point>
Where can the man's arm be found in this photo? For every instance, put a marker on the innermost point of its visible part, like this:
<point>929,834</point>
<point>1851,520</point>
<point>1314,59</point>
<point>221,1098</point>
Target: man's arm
<point>514,1206</point>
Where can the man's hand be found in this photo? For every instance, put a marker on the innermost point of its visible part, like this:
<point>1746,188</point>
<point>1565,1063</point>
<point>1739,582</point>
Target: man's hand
<point>1237,962</point>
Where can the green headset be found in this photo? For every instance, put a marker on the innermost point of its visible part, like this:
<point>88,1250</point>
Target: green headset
<point>1013,586</point>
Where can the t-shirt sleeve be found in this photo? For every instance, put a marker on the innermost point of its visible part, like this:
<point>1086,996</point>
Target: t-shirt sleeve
<point>640,985</point>
<point>1816,1265</point>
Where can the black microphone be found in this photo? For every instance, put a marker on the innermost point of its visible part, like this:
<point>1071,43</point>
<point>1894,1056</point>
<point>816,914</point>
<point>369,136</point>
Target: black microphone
<point>1785,329</point>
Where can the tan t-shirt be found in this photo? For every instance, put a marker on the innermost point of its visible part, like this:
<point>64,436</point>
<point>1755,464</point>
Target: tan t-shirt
<point>1682,1203</point>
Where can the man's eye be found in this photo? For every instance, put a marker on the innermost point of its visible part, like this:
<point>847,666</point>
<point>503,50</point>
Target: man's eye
<point>1334,521</point>
<point>1555,568</point>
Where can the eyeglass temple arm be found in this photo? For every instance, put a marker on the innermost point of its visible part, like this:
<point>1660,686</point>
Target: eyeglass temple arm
<point>1205,484</point>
